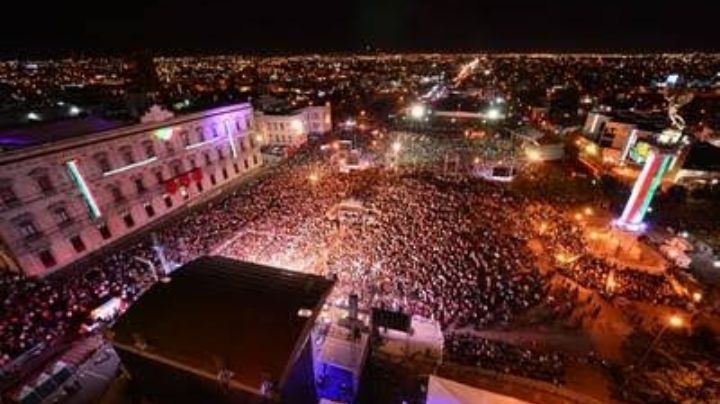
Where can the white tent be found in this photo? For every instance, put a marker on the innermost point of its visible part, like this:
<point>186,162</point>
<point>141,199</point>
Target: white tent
<point>445,391</point>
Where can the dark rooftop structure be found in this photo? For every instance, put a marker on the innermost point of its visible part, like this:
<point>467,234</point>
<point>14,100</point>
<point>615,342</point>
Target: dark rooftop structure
<point>702,156</point>
<point>49,132</point>
<point>224,330</point>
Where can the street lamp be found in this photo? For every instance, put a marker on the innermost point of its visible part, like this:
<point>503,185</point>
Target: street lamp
<point>493,114</point>
<point>396,146</point>
<point>313,177</point>
<point>417,111</point>
<point>674,321</point>
<point>532,155</point>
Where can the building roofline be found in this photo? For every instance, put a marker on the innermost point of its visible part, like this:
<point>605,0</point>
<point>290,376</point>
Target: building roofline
<point>14,156</point>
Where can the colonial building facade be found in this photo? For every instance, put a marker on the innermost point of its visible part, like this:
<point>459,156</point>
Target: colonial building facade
<point>292,128</point>
<point>61,200</point>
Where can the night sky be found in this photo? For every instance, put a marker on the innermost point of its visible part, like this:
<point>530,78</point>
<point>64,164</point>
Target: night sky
<point>267,26</point>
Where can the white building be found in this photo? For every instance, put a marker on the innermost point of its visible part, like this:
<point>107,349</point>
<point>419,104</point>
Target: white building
<point>70,194</point>
<point>292,128</point>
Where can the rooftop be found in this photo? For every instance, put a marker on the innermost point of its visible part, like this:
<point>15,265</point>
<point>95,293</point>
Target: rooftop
<point>702,156</point>
<point>245,315</point>
<point>41,133</point>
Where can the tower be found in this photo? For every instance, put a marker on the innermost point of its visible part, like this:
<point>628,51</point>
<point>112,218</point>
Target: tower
<point>660,159</point>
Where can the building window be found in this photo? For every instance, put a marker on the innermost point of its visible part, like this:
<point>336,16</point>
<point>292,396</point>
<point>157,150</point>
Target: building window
<point>47,258</point>
<point>246,164</point>
<point>193,163</point>
<point>186,138</point>
<point>224,172</point>
<point>28,230</point>
<point>236,168</point>
<point>184,193</point>
<point>139,185</point>
<point>252,143</point>
<point>128,219</point>
<point>199,186</point>
<point>77,243</point>
<point>208,161</point>
<point>237,125</point>
<point>221,155</point>
<point>200,133</point>
<point>242,145</point>
<point>127,156</point>
<point>149,149</point>
<point>215,131</point>
<point>149,209</point>
<point>159,177</point>
<point>176,168</point>
<point>116,194</point>
<point>168,201</point>
<point>8,197</point>
<point>212,179</point>
<point>61,216</point>
<point>104,231</point>
<point>45,185</point>
<point>103,163</point>
<point>255,159</point>
<point>170,148</point>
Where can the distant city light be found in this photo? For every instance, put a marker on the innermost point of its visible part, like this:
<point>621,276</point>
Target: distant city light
<point>74,111</point>
<point>396,146</point>
<point>33,116</point>
<point>417,111</point>
<point>493,114</point>
<point>532,155</point>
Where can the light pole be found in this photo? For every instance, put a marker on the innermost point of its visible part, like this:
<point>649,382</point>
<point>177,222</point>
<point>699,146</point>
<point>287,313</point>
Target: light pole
<point>674,321</point>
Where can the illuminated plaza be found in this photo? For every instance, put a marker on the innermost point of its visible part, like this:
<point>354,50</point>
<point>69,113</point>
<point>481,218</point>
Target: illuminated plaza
<point>264,218</point>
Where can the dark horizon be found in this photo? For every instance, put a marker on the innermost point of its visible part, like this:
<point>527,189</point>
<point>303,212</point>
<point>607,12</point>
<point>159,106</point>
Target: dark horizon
<point>267,28</point>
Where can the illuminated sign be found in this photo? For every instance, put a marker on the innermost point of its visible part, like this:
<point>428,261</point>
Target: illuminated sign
<point>639,152</point>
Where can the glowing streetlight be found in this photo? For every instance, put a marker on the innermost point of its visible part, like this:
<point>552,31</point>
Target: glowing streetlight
<point>588,211</point>
<point>697,297</point>
<point>532,155</point>
<point>33,116</point>
<point>396,146</point>
<point>591,149</point>
<point>314,178</point>
<point>578,216</point>
<point>417,111</point>
<point>675,321</point>
<point>493,114</point>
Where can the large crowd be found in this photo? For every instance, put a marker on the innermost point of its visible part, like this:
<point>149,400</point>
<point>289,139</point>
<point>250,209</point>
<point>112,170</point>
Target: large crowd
<point>452,248</point>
